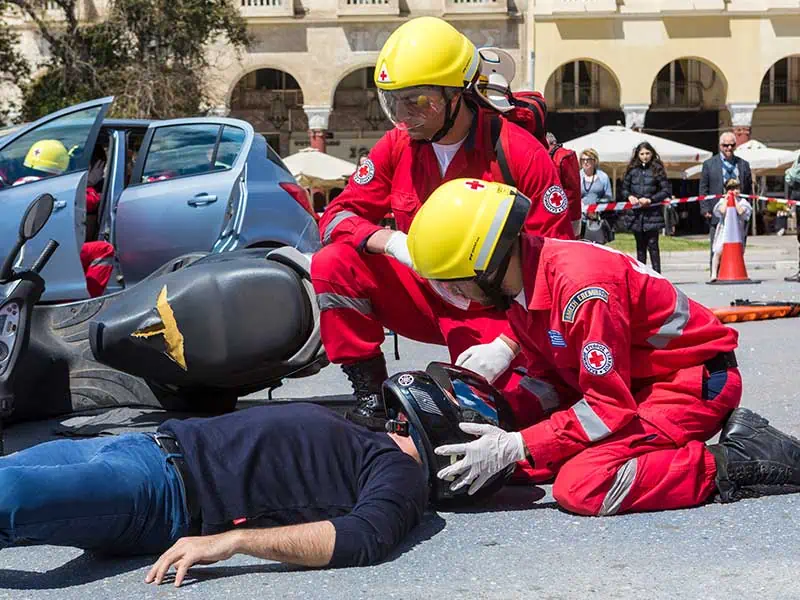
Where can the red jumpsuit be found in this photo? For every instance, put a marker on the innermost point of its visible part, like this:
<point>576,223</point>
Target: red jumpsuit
<point>621,361</point>
<point>97,258</point>
<point>359,293</point>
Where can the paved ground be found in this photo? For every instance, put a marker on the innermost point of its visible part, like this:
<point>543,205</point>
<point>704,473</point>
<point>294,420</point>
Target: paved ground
<point>522,546</point>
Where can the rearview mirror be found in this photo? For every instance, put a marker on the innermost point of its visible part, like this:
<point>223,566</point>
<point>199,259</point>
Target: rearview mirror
<point>36,216</point>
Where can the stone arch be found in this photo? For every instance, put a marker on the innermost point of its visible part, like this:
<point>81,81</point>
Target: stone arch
<point>780,83</point>
<point>689,82</point>
<point>354,101</point>
<point>779,103</point>
<point>353,68</point>
<point>240,78</point>
<point>598,86</point>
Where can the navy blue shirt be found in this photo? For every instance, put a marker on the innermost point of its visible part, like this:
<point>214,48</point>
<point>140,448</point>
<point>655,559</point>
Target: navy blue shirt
<point>302,463</point>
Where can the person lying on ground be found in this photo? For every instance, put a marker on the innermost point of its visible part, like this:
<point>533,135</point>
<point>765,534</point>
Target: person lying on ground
<point>292,483</point>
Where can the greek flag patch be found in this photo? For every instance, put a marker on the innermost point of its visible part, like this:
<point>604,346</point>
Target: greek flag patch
<point>556,339</point>
<point>579,298</point>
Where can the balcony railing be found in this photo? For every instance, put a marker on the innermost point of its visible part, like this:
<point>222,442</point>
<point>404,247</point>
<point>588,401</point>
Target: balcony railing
<point>780,92</point>
<point>475,6</point>
<point>680,94</point>
<point>50,11</point>
<point>576,7</point>
<point>251,9</point>
<point>366,8</point>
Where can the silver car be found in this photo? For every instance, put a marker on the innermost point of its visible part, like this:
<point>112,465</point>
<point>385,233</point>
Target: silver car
<point>166,188</point>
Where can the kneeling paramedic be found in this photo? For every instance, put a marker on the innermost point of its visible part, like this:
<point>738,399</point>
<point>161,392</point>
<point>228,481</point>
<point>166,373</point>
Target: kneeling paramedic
<point>427,75</point>
<point>295,483</point>
<point>633,376</point>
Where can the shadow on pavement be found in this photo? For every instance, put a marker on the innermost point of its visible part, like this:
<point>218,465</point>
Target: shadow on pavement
<point>83,569</point>
<point>510,498</point>
<point>431,525</point>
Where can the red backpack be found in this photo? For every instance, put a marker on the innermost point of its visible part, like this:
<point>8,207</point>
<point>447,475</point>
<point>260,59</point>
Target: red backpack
<point>530,113</point>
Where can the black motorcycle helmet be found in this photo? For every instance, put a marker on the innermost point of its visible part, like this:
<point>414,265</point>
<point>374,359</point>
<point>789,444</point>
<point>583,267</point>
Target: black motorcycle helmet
<point>428,406</point>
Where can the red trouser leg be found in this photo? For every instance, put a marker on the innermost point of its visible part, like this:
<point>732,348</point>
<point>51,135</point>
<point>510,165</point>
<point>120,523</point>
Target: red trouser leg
<point>641,468</point>
<point>359,294</point>
<point>97,260</point>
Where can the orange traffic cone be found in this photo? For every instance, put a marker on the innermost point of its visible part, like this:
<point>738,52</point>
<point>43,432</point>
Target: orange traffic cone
<point>732,269</point>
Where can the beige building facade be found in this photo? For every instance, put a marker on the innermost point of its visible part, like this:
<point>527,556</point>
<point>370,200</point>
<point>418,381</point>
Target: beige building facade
<point>685,69</point>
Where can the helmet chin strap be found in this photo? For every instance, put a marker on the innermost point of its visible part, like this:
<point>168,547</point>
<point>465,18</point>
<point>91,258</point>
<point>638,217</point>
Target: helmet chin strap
<point>491,285</point>
<point>449,121</point>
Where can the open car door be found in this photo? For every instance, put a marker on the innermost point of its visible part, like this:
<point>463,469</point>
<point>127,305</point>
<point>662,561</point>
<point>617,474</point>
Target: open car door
<point>52,155</point>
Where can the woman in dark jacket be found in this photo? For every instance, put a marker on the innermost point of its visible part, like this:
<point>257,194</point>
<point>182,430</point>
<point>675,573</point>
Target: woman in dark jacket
<point>646,186</point>
<point>793,181</point>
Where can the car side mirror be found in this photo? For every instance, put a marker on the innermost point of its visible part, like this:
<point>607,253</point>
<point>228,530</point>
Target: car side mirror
<point>34,219</point>
<point>36,216</point>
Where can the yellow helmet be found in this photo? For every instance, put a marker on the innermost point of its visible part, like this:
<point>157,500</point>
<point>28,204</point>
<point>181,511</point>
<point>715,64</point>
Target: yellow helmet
<point>466,229</point>
<point>49,156</point>
<point>426,51</point>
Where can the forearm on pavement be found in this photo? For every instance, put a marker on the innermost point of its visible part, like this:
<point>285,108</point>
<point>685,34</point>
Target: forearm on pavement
<point>309,544</point>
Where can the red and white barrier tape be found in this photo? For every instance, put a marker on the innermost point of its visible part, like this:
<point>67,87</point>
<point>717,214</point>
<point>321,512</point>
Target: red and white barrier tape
<point>620,206</point>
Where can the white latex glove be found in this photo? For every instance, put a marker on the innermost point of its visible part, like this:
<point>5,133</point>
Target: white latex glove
<point>492,452</point>
<point>489,360</point>
<point>397,248</point>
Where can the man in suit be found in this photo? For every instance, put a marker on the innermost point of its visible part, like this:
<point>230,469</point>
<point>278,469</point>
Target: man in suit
<point>716,171</point>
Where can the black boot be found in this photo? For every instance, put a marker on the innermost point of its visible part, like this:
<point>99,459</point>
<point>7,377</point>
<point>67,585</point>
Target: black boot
<point>796,277</point>
<point>367,377</point>
<point>755,459</point>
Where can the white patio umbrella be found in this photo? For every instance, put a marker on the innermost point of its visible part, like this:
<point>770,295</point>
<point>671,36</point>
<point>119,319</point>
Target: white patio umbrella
<point>615,144</point>
<point>763,159</point>
<point>315,169</point>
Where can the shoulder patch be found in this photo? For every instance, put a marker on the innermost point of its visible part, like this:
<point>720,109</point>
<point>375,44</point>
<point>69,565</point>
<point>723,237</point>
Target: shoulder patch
<point>555,199</point>
<point>581,297</point>
<point>597,358</point>
<point>365,172</point>
<point>556,339</point>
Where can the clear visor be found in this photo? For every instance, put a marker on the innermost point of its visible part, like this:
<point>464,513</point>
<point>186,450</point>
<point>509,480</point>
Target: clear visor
<point>410,108</point>
<point>459,292</point>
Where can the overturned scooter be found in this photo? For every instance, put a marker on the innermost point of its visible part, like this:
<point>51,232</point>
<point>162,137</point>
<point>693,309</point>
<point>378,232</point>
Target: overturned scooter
<point>21,290</point>
<point>194,336</point>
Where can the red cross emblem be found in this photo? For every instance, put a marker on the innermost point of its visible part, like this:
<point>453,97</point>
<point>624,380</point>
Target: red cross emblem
<point>597,358</point>
<point>554,199</point>
<point>475,185</point>
<point>37,152</point>
<point>365,172</point>
<point>383,75</point>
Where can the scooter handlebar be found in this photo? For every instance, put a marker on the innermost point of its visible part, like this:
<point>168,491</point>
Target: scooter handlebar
<point>45,256</point>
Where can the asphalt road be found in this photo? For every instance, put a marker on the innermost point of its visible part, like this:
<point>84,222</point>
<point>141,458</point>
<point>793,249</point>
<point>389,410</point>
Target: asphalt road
<point>522,545</point>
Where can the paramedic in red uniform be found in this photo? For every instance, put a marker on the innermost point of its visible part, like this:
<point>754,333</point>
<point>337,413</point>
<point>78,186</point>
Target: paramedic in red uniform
<point>362,276</point>
<point>634,376</point>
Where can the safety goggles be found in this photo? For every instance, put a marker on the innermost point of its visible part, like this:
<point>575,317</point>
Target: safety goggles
<point>410,108</point>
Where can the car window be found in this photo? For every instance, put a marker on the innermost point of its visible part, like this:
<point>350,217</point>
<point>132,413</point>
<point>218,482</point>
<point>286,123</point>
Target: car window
<point>230,144</point>
<point>180,150</point>
<point>54,148</point>
<point>134,139</point>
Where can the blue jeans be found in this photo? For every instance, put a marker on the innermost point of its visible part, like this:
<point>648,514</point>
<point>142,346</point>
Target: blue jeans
<point>118,495</point>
